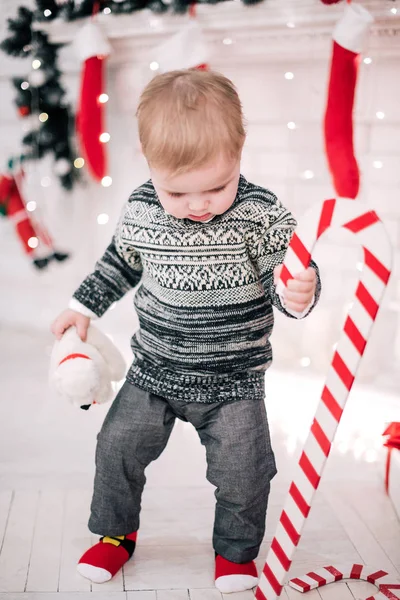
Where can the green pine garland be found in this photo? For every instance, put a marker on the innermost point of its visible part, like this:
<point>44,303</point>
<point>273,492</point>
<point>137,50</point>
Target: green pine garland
<point>56,133</point>
<point>53,136</point>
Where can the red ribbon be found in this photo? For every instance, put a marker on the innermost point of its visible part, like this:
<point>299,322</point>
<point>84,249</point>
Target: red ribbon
<point>392,433</point>
<point>70,356</point>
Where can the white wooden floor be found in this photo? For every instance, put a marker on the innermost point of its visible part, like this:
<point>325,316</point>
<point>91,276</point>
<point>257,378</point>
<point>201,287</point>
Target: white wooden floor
<point>46,471</point>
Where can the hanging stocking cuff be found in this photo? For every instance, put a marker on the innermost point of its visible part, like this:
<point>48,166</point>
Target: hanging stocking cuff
<point>90,41</point>
<point>352,29</point>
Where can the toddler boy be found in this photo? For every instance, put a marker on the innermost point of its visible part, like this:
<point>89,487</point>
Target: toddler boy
<point>206,246</point>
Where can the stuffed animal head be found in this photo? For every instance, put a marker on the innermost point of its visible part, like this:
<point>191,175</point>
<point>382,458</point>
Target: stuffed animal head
<point>82,372</point>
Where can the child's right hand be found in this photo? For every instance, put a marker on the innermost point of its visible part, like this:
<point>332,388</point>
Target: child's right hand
<point>69,318</point>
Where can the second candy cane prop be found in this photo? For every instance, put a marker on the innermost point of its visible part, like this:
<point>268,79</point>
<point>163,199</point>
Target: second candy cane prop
<point>385,582</point>
<point>373,239</point>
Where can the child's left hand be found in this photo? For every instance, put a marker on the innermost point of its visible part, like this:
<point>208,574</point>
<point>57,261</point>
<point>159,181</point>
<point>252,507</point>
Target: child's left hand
<point>299,291</point>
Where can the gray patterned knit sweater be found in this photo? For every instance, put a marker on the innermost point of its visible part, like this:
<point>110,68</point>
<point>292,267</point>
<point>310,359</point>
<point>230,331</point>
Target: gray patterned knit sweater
<point>206,294</point>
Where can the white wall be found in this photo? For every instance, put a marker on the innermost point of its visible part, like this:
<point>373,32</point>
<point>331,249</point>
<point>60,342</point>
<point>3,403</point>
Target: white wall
<point>274,157</point>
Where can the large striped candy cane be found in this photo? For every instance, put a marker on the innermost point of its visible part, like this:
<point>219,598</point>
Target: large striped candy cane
<point>373,239</point>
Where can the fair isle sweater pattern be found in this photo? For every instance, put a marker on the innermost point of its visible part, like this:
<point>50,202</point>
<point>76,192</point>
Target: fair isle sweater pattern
<point>206,295</point>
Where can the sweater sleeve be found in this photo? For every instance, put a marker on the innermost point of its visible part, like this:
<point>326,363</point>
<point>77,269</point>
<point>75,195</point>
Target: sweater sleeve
<point>270,252</point>
<point>115,273</point>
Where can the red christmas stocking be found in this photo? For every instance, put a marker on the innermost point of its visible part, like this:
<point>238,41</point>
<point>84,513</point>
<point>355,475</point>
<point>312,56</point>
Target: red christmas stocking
<point>348,41</point>
<point>92,48</point>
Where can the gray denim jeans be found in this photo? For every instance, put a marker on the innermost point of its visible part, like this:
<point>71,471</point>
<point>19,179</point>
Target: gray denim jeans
<point>240,464</point>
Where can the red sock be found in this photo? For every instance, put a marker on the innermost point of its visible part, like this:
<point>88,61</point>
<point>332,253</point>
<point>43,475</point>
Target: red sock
<point>103,560</point>
<point>234,577</point>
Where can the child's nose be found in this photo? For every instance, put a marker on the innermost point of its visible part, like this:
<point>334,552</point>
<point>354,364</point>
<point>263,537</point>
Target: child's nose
<point>198,204</point>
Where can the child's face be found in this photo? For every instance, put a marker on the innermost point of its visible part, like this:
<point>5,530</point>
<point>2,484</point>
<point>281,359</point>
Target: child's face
<point>200,194</point>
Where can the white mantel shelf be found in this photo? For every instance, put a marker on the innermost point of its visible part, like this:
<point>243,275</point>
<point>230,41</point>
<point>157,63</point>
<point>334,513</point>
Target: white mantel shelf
<point>246,25</point>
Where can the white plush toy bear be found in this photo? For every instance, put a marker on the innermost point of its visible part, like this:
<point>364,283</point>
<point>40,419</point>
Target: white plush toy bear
<point>82,372</point>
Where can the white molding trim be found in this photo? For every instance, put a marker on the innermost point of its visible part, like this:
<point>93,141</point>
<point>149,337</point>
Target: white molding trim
<point>259,33</point>
<point>264,22</point>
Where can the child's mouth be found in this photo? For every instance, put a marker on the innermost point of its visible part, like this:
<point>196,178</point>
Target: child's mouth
<point>202,218</point>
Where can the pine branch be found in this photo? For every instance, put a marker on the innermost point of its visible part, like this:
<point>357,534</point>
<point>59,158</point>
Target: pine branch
<point>17,44</point>
<point>47,10</point>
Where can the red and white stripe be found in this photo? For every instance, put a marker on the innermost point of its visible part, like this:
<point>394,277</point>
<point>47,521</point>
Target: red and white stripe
<point>385,582</point>
<point>374,241</point>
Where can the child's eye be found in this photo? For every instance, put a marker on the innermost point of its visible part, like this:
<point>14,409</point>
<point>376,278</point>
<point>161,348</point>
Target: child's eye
<point>179,195</point>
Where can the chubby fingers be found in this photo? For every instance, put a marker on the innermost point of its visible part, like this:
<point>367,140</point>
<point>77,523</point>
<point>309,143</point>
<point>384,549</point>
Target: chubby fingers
<point>58,328</point>
<point>307,275</point>
<point>301,282</point>
<point>303,287</point>
<point>82,326</point>
<point>299,290</point>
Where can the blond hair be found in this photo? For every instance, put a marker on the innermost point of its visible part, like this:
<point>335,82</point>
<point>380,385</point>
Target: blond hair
<point>187,118</point>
